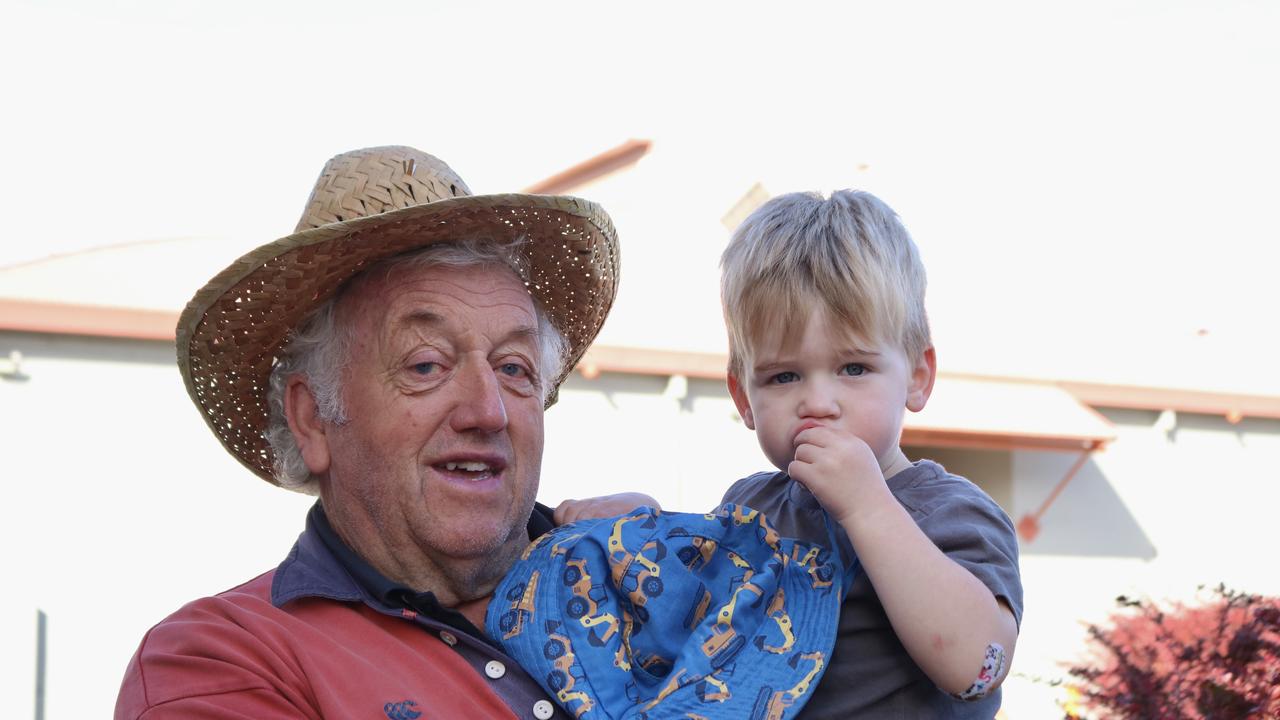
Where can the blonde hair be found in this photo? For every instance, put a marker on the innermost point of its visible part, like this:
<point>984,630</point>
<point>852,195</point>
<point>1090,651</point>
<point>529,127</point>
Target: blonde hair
<point>848,253</point>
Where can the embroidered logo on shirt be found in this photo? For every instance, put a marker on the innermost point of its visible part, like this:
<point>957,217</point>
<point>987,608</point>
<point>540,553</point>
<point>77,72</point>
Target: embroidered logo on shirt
<point>402,710</point>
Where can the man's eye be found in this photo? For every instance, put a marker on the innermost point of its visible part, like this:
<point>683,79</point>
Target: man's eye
<point>424,368</point>
<point>853,369</point>
<point>512,370</point>
<point>784,377</point>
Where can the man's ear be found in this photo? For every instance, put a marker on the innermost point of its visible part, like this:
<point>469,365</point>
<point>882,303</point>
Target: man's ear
<point>740,399</point>
<point>309,431</point>
<point>922,376</point>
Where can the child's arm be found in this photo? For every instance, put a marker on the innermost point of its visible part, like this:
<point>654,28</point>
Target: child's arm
<point>955,630</point>
<point>601,507</point>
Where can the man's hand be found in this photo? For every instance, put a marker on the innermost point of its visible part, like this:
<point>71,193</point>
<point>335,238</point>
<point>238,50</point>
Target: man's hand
<point>601,507</point>
<point>839,469</point>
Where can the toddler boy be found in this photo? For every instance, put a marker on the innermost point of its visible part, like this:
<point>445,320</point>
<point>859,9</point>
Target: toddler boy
<point>828,347</point>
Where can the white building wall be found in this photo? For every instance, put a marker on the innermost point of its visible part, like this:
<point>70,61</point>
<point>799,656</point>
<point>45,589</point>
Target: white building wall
<point>1166,508</point>
<point>122,506</point>
<point>682,442</point>
<point>17,652</point>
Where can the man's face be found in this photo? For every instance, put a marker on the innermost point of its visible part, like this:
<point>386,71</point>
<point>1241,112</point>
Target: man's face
<point>439,458</point>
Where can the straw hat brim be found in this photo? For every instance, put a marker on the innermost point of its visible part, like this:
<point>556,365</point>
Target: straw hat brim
<point>235,327</point>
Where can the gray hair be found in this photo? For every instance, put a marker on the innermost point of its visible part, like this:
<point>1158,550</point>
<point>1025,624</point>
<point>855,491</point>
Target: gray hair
<point>318,348</point>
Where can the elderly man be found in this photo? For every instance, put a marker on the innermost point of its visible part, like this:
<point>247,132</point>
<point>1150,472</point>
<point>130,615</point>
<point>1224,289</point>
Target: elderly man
<point>394,356</point>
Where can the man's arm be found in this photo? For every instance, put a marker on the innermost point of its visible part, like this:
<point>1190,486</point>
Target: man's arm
<point>238,656</point>
<point>247,705</point>
<point>171,685</point>
<point>602,506</point>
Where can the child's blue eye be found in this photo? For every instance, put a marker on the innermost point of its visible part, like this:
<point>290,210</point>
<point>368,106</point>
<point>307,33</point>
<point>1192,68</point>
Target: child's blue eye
<point>784,377</point>
<point>853,369</point>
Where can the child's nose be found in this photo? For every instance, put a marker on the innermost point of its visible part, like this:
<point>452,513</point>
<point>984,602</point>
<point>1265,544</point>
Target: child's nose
<point>818,401</point>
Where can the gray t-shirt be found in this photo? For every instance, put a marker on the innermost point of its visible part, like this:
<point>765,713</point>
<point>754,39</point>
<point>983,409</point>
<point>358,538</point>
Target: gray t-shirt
<point>871,675</point>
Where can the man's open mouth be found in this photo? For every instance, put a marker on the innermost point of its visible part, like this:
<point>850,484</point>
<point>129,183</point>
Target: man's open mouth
<point>470,469</point>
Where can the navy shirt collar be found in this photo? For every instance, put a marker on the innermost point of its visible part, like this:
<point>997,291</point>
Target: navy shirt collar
<point>373,585</point>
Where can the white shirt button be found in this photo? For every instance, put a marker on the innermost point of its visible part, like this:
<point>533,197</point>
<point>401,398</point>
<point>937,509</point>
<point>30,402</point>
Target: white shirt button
<point>543,709</point>
<point>495,669</point>
<point>448,638</point>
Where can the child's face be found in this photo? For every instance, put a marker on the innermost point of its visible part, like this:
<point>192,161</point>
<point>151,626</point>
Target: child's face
<point>829,379</point>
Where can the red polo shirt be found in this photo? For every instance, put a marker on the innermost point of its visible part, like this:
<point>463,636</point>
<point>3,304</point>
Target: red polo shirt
<point>308,641</point>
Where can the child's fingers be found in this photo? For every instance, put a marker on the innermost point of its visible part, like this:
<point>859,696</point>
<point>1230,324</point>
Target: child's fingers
<point>808,475</point>
<point>817,436</point>
<point>799,470</point>
<point>812,466</point>
<point>805,466</point>
<point>809,453</point>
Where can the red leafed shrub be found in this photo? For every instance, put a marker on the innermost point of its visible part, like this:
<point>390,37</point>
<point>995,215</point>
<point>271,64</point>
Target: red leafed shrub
<point>1219,659</point>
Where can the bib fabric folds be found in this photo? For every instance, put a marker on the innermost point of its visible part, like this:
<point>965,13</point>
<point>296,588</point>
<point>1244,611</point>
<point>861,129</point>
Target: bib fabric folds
<point>663,615</point>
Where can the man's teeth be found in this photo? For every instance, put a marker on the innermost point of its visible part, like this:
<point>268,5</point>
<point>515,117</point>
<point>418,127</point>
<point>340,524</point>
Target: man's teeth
<point>468,466</point>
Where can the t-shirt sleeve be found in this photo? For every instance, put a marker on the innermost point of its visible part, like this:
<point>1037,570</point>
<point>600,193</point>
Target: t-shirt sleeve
<point>971,529</point>
<point>747,491</point>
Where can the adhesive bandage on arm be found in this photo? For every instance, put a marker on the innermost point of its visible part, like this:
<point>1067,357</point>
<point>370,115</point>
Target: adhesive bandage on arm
<point>992,667</point>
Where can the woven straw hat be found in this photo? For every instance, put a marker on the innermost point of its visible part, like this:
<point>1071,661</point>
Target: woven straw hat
<point>368,205</point>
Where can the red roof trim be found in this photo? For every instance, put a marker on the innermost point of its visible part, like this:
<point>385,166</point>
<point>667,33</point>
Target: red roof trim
<point>1233,406</point>
<point>95,320</point>
<point>584,172</point>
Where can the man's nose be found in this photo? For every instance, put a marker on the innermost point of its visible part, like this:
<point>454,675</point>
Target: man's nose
<point>479,403</point>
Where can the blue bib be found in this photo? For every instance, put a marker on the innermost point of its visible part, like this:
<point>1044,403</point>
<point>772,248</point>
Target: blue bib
<point>666,615</point>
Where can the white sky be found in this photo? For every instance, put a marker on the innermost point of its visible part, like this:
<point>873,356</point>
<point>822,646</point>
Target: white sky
<point>1090,182</point>
<point>1110,169</point>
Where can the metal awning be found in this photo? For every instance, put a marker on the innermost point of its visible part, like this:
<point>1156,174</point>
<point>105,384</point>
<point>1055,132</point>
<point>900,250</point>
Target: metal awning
<point>1005,415</point>
<point>1010,415</point>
